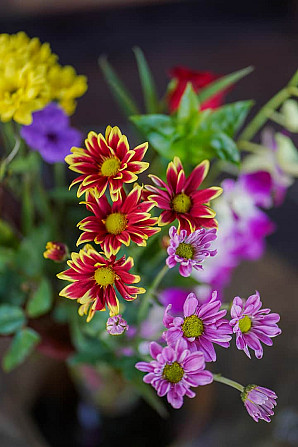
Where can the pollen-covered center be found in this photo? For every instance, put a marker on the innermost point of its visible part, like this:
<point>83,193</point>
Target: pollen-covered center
<point>185,251</point>
<point>181,203</point>
<point>116,223</point>
<point>192,326</point>
<point>245,324</point>
<point>110,167</point>
<point>173,373</point>
<point>104,276</point>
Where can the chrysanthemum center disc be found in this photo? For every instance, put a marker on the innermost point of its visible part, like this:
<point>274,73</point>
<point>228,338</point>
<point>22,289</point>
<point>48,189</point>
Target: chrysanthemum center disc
<point>245,324</point>
<point>104,276</point>
<point>116,223</point>
<point>181,203</point>
<point>192,326</point>
<point>185,251</point>
<point>173,373</point>
<point>110,167</point>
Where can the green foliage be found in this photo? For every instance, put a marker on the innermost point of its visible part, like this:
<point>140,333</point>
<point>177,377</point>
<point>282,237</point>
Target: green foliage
<point>29,256</point>
<point>118,90</point>
<point>41,301</point>
<point>147,82</point>
<point>7,237</point>
<point>223,83</point>
<point>21,347</point>
<point>192,134</point>
<point>12,319</point>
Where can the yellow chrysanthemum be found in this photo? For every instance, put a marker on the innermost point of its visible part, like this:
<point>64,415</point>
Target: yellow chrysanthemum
<point>30,78</point>
<point>65,86</point>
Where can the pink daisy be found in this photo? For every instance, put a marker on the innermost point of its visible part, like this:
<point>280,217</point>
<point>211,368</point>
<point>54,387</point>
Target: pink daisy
<point>253,325</point>
<point>202,325</point>
<point>189,250</point>
<point>174,370</point>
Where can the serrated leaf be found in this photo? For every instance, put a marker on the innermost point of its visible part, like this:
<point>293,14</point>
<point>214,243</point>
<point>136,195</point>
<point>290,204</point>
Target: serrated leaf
<point>21,347</point>
<point>159,130</point>
<point>119,91</point>
<point>147,82</point>
<point>41,301</point>
<point>228,118</point>
<point>222,83</point>
<point>225,148</point>
<point>12,319</point>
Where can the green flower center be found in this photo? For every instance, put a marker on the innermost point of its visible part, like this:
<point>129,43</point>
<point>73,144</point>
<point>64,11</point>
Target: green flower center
<point>181,203</point>
<point>110,167</point>
<point>185,251</point>
<point>116,223</point>
<point>192,326</point>
<point>246,390</point>
<point>245,324</point>
<point>173,373</point>
<point>104,276</point>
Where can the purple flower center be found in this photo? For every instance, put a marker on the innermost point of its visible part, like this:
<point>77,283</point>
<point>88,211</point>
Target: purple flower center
<point>181,203</point>
<point>245,324</point>
<point>52,137</point>
<point>185,251</point>
<point>192,326</point>
<point>173,372</point>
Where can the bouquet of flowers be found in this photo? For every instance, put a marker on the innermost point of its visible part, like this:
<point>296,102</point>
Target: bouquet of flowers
<point>158,242</point>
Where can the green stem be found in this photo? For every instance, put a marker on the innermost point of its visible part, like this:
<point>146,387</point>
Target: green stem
<point>232,383</point>
<point>27,206</point>
<point>250,147</point>
<point>269,108</point>
<point>145,303</point>
<point>59,174</point>
<point>9,158</point>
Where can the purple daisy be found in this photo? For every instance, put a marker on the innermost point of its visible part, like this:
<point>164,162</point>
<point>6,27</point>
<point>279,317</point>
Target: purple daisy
<point>50,134</point>
<point>259,402</point>
<point>202,325</point>
<point>253,325</point>
<point>189,249</point>
<point>116,325</point>
<point>174,370</point>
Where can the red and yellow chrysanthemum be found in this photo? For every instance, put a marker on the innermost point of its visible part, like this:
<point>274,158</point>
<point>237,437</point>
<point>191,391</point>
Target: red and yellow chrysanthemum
<point>94,279</point>
<point>106,162</point>
<point>127,219</point>
<point>180,199</point>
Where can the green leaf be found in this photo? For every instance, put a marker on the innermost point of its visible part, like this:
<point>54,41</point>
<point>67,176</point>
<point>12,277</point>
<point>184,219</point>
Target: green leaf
<point>6,233</point>
<point>189,106</point>
<point>147,82</point>
<point>119,91</point>
<point>228,118</point>
<point>28,163</point>
<point>12,319</point>
<point>21,347</point>
<point>41,301</point>
<point>159,130</point>
<point>225,148</point>
<point>222,83</point>
<point>29,256</point>
<point>63,194</point>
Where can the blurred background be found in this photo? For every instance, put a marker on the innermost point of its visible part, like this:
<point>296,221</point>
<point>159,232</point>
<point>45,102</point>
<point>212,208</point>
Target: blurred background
<point>207,35</point>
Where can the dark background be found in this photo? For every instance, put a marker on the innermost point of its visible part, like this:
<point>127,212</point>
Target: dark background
<point>215,35</point>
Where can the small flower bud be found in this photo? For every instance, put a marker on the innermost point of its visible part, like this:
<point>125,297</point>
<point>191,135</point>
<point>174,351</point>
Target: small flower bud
<point>57,251</point>
<point>116,325</point>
